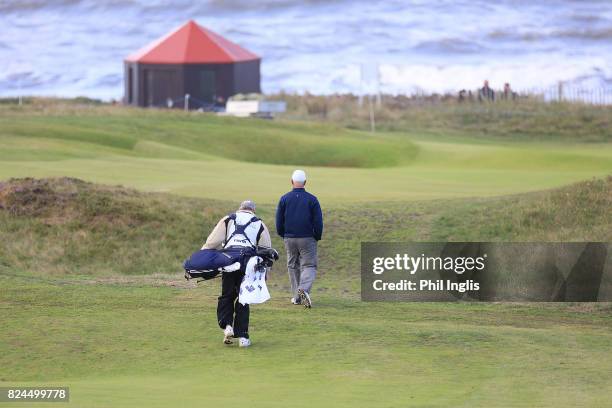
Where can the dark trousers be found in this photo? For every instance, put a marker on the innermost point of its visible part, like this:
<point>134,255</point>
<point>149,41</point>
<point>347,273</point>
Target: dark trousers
<point>229,310</point>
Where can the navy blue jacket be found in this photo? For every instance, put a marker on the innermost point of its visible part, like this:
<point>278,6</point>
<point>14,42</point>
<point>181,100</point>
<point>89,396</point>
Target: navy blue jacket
<point>299,215</point>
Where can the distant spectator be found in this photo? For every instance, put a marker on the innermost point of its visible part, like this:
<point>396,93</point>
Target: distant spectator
<point>508,93</point>
<point>462,95</point>
<point>486,93</point>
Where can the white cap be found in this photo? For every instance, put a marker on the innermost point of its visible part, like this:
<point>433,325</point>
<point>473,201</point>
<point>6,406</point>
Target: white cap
<point>299,176</point>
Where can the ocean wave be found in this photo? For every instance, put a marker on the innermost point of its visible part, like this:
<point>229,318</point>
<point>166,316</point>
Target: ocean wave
<point>450,45</point>
<point>109,80</point>
<point>588,34</point>
<point>26,80</point>
<point>587,18</point>
<point>163,5</point>
<point>233,5</point>
<point>577,34</point>
<point>33,5</point>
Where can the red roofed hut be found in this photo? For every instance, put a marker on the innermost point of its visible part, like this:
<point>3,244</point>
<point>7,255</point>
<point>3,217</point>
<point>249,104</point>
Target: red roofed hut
<point>190,60</point>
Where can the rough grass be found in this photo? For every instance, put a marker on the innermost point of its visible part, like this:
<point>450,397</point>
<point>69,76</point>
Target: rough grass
<point>67,226</point>
<point>525,119</point>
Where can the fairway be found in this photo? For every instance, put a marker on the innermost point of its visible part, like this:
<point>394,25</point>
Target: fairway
<point>231,159</point>
<point>138,344</point>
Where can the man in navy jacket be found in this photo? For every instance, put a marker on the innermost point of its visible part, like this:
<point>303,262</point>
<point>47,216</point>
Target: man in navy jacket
<point>299,222</point>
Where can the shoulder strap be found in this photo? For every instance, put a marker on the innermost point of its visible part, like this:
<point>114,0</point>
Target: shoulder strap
<point>261,230</point>
<point>231,216</point>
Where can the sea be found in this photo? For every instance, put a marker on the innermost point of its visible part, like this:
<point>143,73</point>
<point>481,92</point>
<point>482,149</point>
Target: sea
<point>73,48</point>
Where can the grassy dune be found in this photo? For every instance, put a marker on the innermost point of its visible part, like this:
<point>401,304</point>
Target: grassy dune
<point>67,226</point>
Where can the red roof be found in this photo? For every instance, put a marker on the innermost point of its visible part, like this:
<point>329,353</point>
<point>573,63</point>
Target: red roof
<point>191,44</point>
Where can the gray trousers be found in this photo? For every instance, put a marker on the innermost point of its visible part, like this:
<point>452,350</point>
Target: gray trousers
<point>301,263</point>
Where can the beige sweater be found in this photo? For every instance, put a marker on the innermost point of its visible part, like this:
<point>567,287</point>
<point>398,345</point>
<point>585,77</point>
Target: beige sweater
<point>217,236</point>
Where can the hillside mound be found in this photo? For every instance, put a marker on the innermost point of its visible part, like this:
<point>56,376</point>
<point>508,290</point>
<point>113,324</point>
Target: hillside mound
<point>191,136</point>
<point>69,226</point>
<point>68,199</point>
<point>577,212</point>
<point>66,225</point>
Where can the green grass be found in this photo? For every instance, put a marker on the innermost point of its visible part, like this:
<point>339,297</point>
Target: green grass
<point>91,295</point>
<point>142,133</point>
<point>67,226</point>
<point>135,345</point>
<point>205,156</point>
<point>92,299</point>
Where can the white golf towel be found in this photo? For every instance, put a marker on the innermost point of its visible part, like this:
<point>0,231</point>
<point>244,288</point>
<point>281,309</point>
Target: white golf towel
<point>253,288</point>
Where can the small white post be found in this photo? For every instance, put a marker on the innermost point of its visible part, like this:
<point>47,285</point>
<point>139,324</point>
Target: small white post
<point>360,100</point>
<point>186,102</point>
<point>378,94</point>
<point>372,119</point>
<point>20,96</point>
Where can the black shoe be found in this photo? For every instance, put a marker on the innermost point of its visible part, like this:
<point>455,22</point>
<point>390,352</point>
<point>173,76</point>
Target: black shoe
<point>304,298</point>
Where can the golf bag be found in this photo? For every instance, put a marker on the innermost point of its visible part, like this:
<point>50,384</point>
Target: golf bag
<point>209,263</point>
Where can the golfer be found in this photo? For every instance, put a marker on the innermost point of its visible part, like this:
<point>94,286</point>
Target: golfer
<point>233,233</point>
<point>299,222</point>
